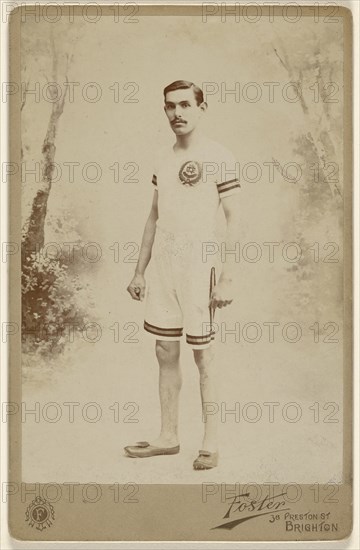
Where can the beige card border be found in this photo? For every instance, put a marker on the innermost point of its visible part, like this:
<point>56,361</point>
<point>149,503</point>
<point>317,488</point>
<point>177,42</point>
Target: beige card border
<point>174,512</point>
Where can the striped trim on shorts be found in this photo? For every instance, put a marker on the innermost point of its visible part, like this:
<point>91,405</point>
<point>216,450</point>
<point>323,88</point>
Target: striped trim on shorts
<point>163,332</point>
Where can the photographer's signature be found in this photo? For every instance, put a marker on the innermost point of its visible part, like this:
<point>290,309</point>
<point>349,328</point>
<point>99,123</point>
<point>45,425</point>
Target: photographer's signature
<point>242,509</point>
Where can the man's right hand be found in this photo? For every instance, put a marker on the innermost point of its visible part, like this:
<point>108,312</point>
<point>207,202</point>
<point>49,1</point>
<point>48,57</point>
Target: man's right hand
<point>137,287</point>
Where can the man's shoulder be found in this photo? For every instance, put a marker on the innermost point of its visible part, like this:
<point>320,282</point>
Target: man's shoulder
<point>217,149</point>
<point>164,149</point>
<point>161,154</point>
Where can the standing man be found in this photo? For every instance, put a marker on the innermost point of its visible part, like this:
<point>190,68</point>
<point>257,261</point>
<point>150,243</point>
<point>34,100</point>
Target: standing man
<point>191,179</point>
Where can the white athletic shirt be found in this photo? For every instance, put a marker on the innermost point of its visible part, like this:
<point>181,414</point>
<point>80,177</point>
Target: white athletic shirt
<point>190,185</point>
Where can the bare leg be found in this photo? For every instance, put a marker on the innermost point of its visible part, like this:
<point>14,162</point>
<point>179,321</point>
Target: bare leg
<point>168,355</point>
<point>204,360</point>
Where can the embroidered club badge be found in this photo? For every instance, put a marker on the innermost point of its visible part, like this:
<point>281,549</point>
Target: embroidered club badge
<point>190,173</point>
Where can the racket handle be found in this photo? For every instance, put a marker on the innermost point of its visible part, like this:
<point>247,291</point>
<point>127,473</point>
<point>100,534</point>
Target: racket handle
<point>212,285</point>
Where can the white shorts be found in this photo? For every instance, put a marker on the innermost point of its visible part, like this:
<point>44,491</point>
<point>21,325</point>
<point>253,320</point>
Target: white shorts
<point>178,290</point>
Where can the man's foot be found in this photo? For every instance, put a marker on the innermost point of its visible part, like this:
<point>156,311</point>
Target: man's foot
<point>143,449</point>
<point>206,460</point>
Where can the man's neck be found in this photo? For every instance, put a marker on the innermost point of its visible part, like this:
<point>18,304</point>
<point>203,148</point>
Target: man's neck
<point>189,140</point>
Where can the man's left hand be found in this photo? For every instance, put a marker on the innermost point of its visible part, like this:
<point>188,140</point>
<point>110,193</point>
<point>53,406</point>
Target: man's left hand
<point>222,295</point>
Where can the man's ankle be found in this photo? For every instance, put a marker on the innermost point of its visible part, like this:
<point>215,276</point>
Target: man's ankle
<point>210,446</point>
<point>167,440</point>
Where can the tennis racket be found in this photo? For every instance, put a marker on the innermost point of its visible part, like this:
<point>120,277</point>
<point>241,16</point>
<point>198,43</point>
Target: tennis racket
<point>212,286</point>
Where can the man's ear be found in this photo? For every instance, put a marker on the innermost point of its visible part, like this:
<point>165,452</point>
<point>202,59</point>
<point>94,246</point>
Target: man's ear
<point>203,106</point>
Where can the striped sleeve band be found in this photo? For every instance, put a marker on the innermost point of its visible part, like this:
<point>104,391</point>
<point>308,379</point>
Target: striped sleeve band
<point>227,188</point>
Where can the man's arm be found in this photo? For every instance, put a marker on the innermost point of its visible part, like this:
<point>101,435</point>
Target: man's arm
<point>222,295</point>
<point>137,286</point>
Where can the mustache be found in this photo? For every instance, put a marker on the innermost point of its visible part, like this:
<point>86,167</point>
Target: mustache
<point>178,120</point>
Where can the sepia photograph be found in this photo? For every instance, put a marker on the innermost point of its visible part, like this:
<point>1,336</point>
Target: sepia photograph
<point>181,272</point>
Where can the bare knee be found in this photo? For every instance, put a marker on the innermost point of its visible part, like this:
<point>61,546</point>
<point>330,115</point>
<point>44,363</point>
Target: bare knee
<point>204,358</point>
<point>167,352</point>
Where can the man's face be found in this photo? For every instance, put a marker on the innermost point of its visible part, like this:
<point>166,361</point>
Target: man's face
<point>182,111</point>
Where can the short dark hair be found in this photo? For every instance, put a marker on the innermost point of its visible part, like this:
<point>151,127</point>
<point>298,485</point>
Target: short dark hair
<point>185,85</point>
